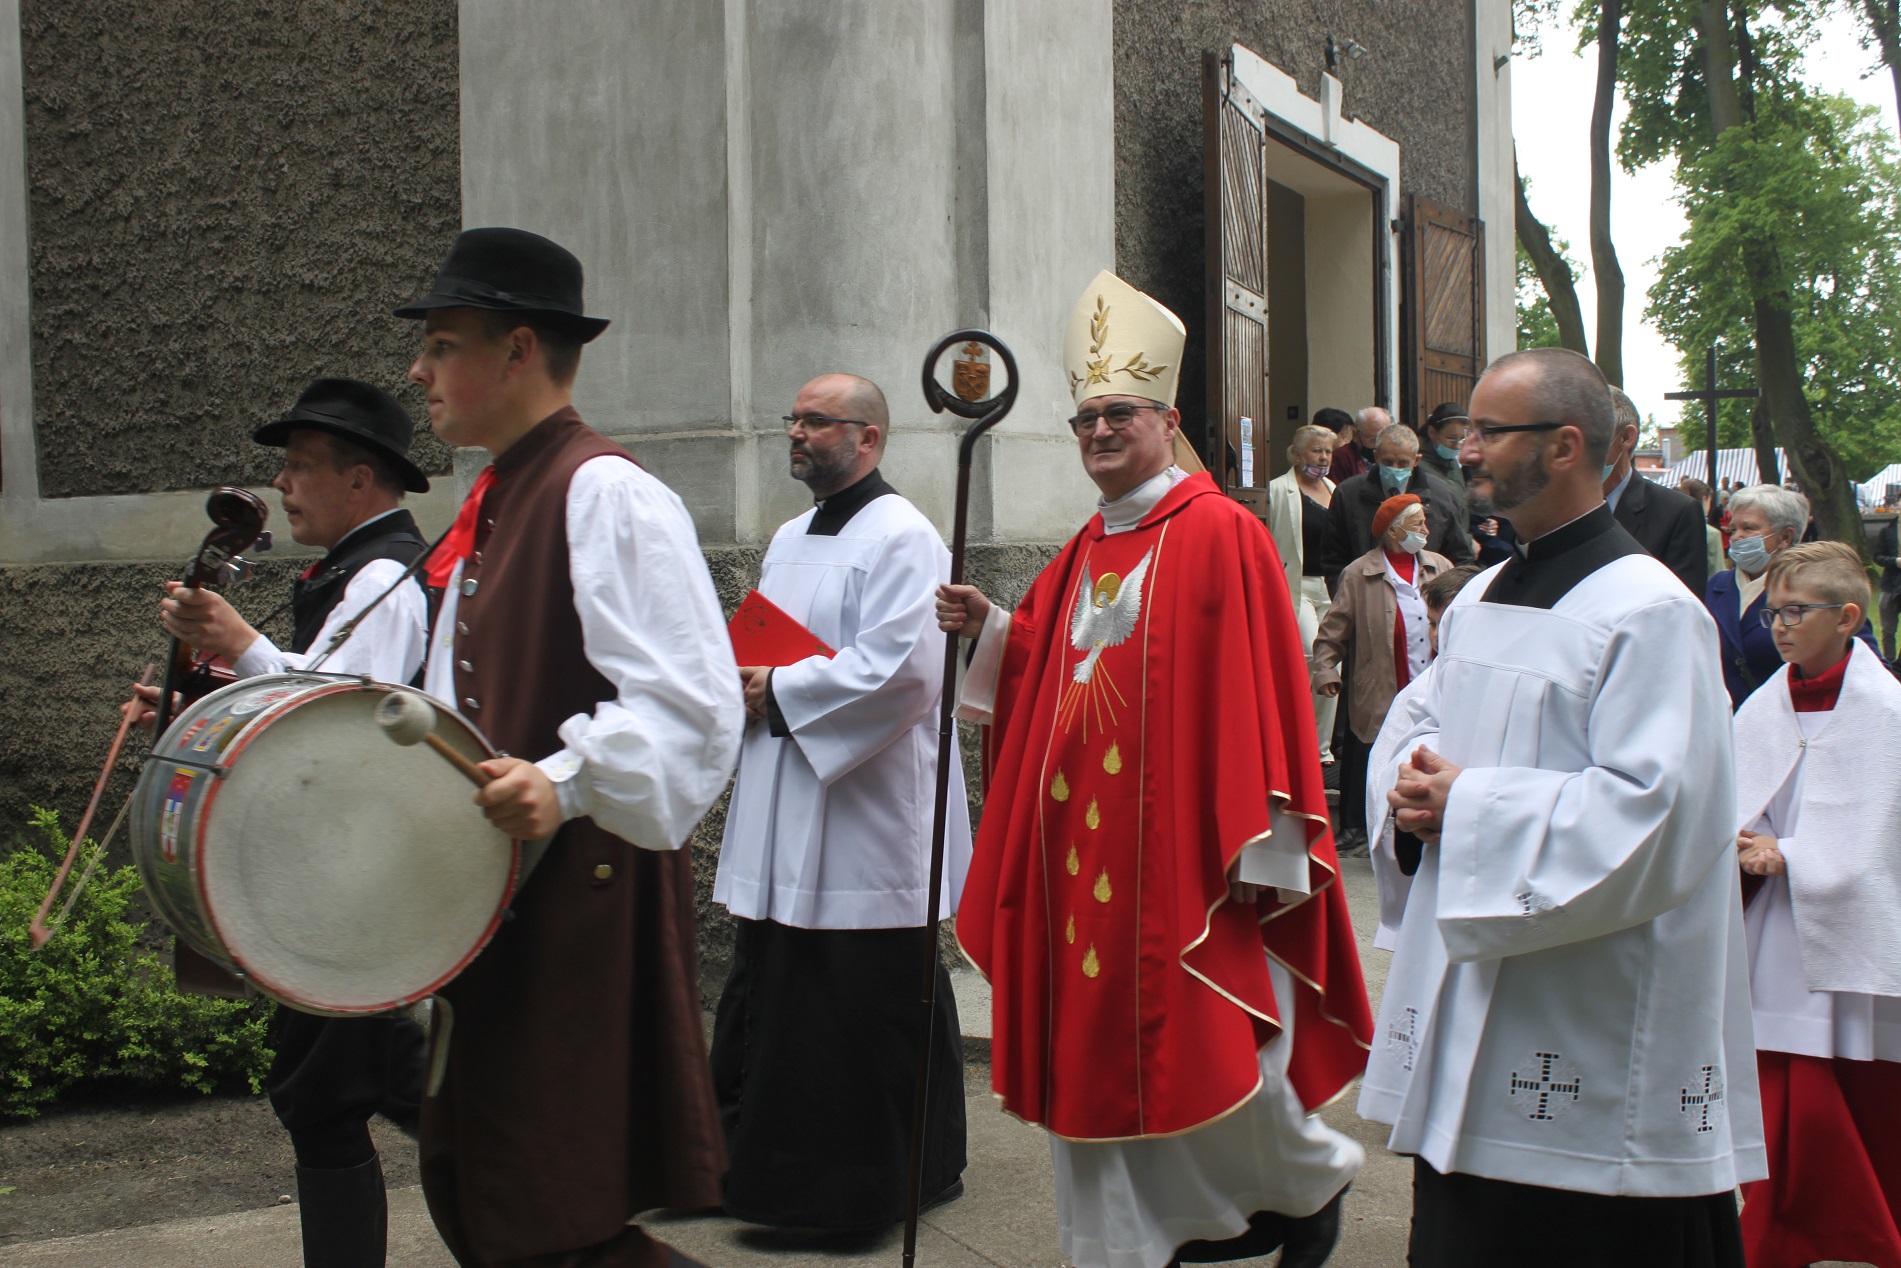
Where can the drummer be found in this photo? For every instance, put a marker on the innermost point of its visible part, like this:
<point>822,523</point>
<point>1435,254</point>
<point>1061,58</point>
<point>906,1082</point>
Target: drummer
<point>346,469</point>
<point>580,631</point>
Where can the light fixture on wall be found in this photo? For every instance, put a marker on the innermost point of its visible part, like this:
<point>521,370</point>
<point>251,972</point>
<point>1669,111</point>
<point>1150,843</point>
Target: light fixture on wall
<point>1351,47</point>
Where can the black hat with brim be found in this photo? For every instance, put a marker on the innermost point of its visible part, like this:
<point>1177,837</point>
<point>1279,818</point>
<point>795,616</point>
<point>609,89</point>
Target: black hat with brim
<point>511,271</point>
<point>359,412</point>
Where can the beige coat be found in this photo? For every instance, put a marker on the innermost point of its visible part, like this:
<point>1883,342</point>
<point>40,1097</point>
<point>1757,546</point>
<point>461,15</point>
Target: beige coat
<point>1358,633</point>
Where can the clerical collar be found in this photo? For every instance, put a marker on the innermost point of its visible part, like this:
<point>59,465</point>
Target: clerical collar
<point>837,510</point>
<point>1570,535</point>
<point>1128,510</point>
<point>1545,570</point>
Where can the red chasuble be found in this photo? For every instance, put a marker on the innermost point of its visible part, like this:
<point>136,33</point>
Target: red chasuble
<point>1152,712</point>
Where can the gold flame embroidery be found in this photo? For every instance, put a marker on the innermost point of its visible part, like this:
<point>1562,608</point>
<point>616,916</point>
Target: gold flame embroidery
<point>1070,933</point>
<point>1094,816</point>
<point>1073,863</point>
<point>1112,760</point>
<point>1059,787</point>
<point>1091,965</point>
<point>1103,892</point>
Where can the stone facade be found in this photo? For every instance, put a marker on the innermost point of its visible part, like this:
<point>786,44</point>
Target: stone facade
<point>226,200</point>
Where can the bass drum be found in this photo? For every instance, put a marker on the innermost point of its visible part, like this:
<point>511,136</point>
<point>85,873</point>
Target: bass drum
<point>287,838</point>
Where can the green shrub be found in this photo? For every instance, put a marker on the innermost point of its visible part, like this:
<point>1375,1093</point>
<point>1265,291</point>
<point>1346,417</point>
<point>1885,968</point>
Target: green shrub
<point>92,1007</point>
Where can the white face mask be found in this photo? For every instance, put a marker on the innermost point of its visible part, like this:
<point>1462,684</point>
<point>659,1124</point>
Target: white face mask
<point>1413,543</point>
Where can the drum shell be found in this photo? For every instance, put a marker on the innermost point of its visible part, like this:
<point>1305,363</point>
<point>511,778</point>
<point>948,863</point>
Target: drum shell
<point>179,783</point>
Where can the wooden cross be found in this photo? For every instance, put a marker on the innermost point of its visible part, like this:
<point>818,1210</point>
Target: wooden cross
<point>1710,396</point>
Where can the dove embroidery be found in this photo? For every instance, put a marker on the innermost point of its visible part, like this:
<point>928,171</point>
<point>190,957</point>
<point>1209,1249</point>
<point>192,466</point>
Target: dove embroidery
<point>1106,613</point>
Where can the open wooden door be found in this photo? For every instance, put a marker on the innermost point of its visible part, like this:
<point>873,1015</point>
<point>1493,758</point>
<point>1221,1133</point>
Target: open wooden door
<point>1234,182</point>
<point>1442,314</point>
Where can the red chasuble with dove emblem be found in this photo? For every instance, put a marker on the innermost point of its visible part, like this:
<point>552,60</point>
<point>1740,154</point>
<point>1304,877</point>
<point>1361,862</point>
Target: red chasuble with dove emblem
<point>1153,719</point>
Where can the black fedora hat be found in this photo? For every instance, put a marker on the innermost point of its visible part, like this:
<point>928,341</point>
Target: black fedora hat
<point>510,271</point>
<point>359,412</point>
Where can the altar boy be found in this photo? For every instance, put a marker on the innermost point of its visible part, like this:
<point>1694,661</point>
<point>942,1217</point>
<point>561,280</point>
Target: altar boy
<point>1818,764</point>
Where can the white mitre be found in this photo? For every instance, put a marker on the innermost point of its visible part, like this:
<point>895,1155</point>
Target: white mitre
<point>1122,343</point>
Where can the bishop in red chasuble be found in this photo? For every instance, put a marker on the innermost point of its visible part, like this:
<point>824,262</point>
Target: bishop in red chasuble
<point>1154,895</point>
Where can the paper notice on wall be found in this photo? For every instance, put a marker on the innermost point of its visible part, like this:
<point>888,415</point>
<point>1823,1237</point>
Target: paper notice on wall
<point>1247,452</point>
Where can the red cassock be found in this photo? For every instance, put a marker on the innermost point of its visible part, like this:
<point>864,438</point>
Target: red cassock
<point>1152,714</point>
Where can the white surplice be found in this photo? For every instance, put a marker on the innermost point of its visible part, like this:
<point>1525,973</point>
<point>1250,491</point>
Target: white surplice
<point>1568,1004</point>
<point>1390,882</point>
<point>645,765</point>
<point>1825,940</point>
<point>830,827</point>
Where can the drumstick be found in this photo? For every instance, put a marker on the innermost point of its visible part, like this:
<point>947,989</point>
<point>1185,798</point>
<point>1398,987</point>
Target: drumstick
<point>410,719</point>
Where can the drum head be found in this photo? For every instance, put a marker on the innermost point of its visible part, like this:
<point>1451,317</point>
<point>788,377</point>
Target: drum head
<point>344,872</point>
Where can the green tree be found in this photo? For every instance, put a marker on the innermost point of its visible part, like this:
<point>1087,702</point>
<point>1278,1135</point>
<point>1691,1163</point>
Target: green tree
<point>1537,324</point>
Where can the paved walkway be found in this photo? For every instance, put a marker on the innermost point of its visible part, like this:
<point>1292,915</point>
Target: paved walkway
<point>1006,1219</point>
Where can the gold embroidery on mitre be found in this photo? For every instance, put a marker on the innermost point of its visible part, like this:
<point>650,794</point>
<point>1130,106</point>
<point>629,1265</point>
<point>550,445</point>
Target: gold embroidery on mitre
<point>1073,863</point>
<point>1103,892</point>
<point>1059,787</point>
<point>1091,965</point>
<point>1070,933</point>
<point>1094,817</point>
<point>1112,760</point>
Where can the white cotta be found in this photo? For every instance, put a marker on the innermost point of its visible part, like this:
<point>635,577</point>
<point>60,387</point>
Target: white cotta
<point>1568,1004</point>
<point>648,763</point>
<point>1390,883</point>
<point>830,827</point>
<point>1844,870</point>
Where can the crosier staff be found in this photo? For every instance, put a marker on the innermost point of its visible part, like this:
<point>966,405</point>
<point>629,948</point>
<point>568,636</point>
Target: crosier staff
<point>970,380</point>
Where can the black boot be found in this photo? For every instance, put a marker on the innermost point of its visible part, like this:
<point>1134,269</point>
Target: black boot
<point>345,1216</point>
<point>1264,1233</point>
<point>1310,1238</point>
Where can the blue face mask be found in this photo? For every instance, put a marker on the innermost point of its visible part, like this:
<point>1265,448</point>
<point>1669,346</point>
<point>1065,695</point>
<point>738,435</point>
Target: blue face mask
<point>1395,478</point>
<point>1449,452</point>
<point>1608,468</point>
<point>1749,554</point>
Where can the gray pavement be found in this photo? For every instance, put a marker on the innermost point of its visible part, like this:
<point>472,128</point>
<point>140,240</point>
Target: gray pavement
<point>1006,1218</point>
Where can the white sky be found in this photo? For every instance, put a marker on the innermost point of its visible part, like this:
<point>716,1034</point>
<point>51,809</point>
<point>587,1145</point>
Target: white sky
<point>1551,120</point>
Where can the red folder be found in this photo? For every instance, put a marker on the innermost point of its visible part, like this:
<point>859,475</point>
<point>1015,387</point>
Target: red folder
<point>763,634</point>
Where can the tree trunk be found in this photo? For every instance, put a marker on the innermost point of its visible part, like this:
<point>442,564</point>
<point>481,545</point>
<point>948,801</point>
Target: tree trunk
<point>1811,459</point>
<point>1884,18</point>
<point>1560,286</point>
<point>1605,269</point>
<point>1762,435</point>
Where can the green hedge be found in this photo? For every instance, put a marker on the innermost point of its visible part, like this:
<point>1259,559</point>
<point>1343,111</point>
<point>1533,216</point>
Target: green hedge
<point>92,1007</point>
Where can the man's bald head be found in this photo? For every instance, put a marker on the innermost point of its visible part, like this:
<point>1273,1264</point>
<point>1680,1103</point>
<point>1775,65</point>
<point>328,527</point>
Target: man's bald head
<point>1563,387</point>
<point>856,397</point>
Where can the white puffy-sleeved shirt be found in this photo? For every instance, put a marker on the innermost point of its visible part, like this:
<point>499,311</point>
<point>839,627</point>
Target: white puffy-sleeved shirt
<point>644,765</point>
<point>830,826</point>
<point>1568,1004</point>
<point>388,646</point>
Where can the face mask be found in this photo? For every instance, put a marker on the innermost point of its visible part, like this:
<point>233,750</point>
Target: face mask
<point>1749,553</point>
<point>1395,478</point>
<point>1413,543</point>
<point>1314,473</point>
<point>1608,468</point>
<point>1449,452</point>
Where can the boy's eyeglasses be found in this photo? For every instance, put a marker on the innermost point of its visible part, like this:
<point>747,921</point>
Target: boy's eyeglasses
<point>1792,613</point>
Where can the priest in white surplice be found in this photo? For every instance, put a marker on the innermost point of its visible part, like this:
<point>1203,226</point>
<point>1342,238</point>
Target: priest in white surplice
<point>1564,1044</point>
<point>826,858</point>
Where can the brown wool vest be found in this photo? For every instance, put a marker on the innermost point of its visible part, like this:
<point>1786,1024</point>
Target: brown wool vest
<point>515,619</point>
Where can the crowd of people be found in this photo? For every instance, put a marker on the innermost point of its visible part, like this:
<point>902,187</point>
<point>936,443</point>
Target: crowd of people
<point>1540,757</point>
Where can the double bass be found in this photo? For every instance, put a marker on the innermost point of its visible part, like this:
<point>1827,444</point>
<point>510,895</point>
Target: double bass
<point>238,517</point>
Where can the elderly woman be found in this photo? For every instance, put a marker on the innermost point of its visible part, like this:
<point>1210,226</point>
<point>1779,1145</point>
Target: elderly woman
<point>1297,502</point>
<point>1378,626</point>
<point>1764,519</point>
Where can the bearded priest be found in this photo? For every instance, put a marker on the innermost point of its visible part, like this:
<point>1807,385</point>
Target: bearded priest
<point>1154,894</point>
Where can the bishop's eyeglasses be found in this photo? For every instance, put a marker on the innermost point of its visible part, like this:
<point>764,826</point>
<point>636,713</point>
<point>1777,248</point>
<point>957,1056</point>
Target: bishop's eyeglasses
<point>1791,613</point>
<point>1118,416</point>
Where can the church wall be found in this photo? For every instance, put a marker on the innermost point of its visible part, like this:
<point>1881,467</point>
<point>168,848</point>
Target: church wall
<point>224,197</point>
<point>1415,85</point>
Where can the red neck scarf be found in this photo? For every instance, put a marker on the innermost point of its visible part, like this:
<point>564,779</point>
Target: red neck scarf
<point>1402,563</point>
<point>1818,694</point>
<point>459,543</point>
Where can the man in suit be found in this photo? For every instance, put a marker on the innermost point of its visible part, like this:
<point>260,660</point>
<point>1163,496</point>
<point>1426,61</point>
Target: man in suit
<point>1666,523</point>
<point>1356,501</point>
